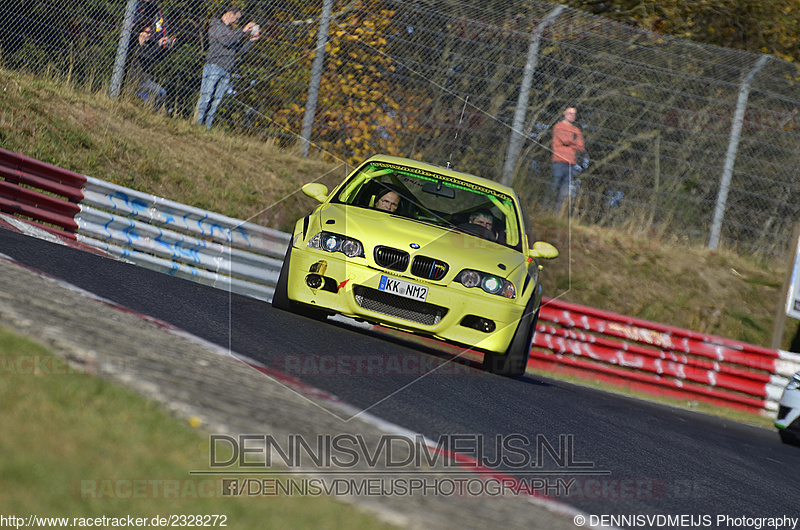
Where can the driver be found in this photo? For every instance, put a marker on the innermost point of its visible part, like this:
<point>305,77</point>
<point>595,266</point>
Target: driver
<point>387,201</point>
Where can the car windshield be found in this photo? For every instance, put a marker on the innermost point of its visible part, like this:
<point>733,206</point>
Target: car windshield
<point>432,198</point>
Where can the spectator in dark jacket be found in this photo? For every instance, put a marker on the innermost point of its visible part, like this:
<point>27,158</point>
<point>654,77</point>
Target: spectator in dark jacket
<point>225,42</point>
<point>152,49</point>
<point>567,142</point>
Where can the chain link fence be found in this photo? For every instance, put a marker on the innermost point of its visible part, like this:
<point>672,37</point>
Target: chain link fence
<point>682,139</point>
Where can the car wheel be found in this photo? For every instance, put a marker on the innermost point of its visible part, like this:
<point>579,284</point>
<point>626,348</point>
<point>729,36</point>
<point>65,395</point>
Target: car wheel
<point>280,299</point>
<point>514,362</point>
<point>788,438</point>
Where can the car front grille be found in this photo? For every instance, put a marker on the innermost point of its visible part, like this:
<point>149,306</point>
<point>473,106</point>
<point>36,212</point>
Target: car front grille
<point>391,258</point>
<point>429,268</point>
<point>398,306</point>
<point>783,411</point>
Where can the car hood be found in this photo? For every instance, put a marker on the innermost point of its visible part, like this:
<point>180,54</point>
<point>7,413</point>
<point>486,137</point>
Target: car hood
<point>459,250</point>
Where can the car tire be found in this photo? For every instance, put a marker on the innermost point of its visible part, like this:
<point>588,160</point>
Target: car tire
<point>281,300</point>
<point>788,438</point>
<point>514,362</point>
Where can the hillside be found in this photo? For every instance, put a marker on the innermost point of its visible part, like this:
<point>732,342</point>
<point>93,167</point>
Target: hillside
<point>640,275</point>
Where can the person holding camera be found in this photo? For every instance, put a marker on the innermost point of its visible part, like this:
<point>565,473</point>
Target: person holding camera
<point>225,42</point>
<point>152,49</point>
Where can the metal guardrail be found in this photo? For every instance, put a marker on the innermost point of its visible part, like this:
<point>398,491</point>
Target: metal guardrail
<point>181,240</point>
<point>245,258</point>
<point>147,230</point>
<point>659,359</point>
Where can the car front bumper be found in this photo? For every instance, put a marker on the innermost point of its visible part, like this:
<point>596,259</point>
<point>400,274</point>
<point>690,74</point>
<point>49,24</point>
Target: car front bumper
<point>350,287</point>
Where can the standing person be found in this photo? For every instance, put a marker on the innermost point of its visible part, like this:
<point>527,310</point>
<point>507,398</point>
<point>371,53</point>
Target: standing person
<point>225,41</point>
<point>153,46</point>
<point>567,142</point>
<point>147,30</point>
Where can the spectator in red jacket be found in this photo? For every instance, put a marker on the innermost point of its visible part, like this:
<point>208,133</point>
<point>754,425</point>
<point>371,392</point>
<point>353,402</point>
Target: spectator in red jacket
<point>567,143</point>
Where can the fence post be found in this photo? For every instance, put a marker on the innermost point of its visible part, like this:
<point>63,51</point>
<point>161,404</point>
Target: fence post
<point>316,75</point>
<point>122,50</point>
<point>730,156</point>
<point>515,141</point>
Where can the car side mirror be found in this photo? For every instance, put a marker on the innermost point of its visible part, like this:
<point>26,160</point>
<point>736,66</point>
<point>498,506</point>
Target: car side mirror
<point>543,250</point>
<point>316,190</point>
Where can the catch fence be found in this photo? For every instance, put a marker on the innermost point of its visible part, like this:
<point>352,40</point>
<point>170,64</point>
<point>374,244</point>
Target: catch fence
<point>688,140</point>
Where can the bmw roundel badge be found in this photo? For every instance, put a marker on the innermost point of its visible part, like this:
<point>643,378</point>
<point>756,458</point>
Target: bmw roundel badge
<point>414,246</point>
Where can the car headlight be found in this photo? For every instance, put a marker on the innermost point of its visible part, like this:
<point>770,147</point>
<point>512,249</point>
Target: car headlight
<point>794,384</point>
<point>469,278</point>
<point>488,282</point>
<point>335,243</point>
<point>491,284</point>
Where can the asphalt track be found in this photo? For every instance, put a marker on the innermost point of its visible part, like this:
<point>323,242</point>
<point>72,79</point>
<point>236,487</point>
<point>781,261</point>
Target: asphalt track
<point>629,456</point>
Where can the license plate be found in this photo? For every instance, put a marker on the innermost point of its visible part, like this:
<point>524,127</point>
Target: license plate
<point>403,288</point>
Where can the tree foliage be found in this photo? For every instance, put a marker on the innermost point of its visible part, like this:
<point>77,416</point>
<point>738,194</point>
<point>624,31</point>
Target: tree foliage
<point>357,112</point>
<point>769,26</point>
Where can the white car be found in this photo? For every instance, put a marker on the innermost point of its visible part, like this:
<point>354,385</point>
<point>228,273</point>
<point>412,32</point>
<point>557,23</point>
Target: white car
<point>788,420</point>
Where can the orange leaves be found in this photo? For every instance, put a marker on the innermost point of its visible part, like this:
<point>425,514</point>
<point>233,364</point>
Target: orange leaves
<point>357,114</point>
<point>356,117</point>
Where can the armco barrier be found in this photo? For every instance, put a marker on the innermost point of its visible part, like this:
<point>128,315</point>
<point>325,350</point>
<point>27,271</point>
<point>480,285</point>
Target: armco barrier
<point>150,231</point>
<point>24,192</point>
<point>181,240</point>
<point>245,258</point>
<point>658,359</point>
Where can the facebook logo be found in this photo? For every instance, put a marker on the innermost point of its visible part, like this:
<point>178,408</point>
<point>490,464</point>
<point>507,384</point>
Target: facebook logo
<point>230,487</point>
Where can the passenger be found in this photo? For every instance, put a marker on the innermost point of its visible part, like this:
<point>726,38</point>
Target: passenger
<point>481,223</point>
<point>482,218</point>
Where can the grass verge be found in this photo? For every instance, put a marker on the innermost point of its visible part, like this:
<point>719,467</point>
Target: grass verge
<point>74,445</point>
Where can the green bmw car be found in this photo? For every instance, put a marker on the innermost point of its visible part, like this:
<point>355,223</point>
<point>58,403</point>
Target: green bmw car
<point>424,249</point>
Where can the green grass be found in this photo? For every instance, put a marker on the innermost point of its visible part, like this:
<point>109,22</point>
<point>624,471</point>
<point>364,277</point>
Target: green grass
<point>74,445</point>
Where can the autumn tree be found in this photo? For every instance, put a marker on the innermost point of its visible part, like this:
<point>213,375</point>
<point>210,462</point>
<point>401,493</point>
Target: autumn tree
<point>357,114</point>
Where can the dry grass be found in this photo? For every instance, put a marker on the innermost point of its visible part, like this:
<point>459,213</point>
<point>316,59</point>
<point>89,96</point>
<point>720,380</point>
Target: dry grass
<point>720,293</point>
<point>125,143</point>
